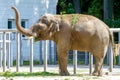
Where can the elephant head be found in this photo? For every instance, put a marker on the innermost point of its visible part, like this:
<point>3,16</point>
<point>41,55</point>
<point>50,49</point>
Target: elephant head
<point>43,29</point>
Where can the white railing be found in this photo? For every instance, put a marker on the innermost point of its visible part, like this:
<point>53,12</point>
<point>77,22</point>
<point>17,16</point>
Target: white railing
<point>4,32</point>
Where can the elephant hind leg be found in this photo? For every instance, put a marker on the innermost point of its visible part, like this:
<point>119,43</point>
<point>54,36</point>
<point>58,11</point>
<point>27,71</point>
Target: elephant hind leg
<point>99,58</point>
<point>98,66</point>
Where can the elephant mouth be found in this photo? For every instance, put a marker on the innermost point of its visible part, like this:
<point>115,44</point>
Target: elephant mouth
<point>35,39</point>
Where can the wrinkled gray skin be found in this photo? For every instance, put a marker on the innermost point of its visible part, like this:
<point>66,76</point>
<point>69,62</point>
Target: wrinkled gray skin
<point>71,32</point>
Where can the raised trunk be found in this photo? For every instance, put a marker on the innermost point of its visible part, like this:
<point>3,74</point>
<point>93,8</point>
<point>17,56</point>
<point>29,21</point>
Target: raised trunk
<point>26,32</point>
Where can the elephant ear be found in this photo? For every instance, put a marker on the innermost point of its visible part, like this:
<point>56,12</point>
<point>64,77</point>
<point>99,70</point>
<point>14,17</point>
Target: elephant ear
<point>53,28</point>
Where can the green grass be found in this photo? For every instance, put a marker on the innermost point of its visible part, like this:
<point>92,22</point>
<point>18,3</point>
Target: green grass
<point>26,74</point>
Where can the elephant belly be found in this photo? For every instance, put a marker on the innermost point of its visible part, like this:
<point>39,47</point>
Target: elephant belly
<point>80,42</point>
<point>80,45</point>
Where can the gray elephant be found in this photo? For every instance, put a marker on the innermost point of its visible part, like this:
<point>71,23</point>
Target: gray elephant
<point>71,32</point>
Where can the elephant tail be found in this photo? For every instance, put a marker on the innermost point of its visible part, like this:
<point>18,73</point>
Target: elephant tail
<point>111,41</point>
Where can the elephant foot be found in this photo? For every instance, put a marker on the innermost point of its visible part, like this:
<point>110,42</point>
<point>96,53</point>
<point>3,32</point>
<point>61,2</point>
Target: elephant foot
<point>100,74</point>
<point>96,74</point>
<point>64,73</point>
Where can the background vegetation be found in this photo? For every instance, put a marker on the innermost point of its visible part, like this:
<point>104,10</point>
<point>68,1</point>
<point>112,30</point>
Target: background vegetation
<point>106,10</point>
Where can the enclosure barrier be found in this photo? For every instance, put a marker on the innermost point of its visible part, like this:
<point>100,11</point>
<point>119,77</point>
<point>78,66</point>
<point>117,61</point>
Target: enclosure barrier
<point>4,32</point>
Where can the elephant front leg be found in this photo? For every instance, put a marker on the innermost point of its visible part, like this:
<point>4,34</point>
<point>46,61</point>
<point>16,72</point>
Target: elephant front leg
<point>63,60</point>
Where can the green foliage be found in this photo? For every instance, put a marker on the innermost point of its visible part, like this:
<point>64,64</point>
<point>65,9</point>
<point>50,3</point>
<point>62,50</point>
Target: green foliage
<point>66,7</point>
<point>96,8</point>
<point>74,19</point>
<point>92,7</point>
<point>70,8</point>
<point>113,23</point>
<point>116,9</point>
<point>117,60</point>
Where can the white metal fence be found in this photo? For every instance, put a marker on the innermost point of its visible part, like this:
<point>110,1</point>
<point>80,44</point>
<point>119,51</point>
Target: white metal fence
<point>6,39</point>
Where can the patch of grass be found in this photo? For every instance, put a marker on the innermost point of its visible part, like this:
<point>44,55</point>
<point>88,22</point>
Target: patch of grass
<point>27,74</point>
<point>80,75</point>
<point>66,79</point>
<point>88,77</point>
<point>74,19</point>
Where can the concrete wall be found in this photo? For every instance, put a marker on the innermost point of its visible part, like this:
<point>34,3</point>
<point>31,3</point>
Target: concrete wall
<point>30,10</point>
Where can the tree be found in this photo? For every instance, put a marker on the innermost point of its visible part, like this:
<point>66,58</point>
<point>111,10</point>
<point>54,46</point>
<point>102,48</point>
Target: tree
<point>108,9</point>
<point>77,6</point>
<point>65,7</point>
<point>96,8</point>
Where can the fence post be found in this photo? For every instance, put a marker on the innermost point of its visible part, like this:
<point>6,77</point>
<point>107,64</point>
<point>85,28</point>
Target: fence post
<point>18,52</point>
<point>108,51</point>
<point>50,53</point>
<point>31,55</point>
<point>45,56</point>
<point>90,63</point>
<point>11,55</point>
<point>111,59</point>
<point>4,51</point>
<point>40,57</point>
<point>75,61</point>
<point>54,52</point>
<point>86,57</point>
<point>119,48</point>
<point>8,61</point>
<point>1,56</point>
<point>21,54</point>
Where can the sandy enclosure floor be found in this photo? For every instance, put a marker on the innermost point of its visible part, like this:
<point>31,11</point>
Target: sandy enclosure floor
<point>63,78</point>
<point>82,73</point>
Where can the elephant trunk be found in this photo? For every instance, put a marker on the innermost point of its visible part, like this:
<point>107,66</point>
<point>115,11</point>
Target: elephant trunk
<point>23,31</point>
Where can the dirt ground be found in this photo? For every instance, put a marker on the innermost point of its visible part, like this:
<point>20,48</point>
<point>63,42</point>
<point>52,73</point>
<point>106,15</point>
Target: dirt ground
<point>64,78</point>
<point>82,74</point>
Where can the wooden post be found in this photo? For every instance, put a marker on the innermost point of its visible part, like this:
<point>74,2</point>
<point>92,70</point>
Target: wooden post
<point>31,55</point>
<point>4,51</point>
<point>90,63</point>
<point>18,52</point>
<point>75,61</point>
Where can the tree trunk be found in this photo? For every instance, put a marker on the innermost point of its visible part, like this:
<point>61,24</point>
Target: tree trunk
<point>108,9</point>
<point>77,6</point>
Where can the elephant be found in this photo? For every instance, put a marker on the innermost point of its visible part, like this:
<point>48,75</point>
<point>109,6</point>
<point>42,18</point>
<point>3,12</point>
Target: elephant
<point>71,32</point>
